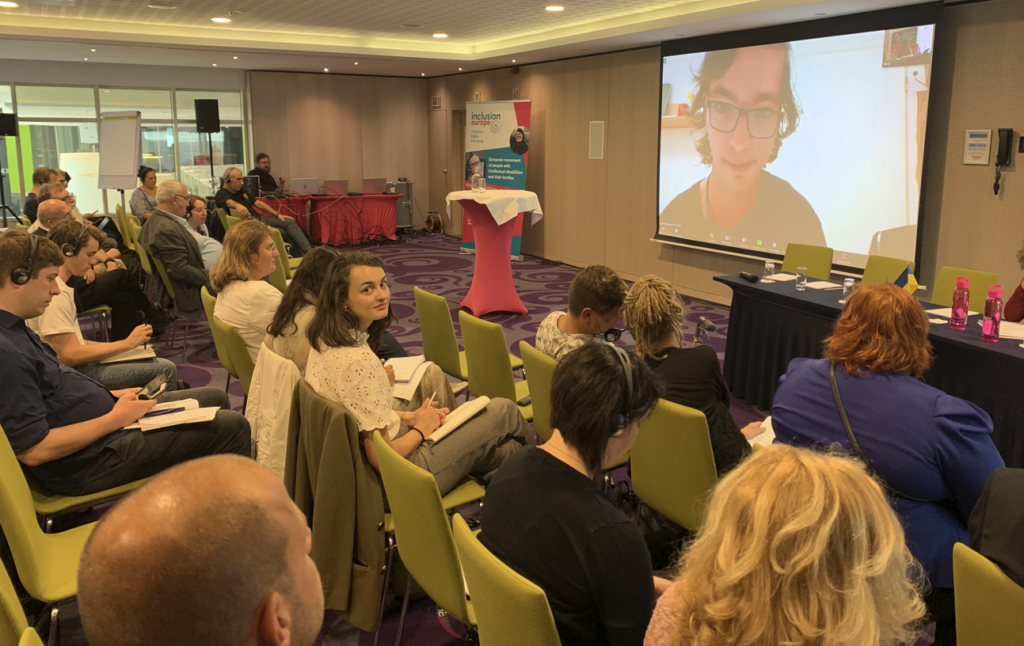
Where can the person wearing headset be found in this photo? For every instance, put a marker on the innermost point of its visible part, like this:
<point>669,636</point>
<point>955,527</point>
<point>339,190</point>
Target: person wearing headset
<point>587,556</point>
<point>596,295</point>
<point>58,324</point>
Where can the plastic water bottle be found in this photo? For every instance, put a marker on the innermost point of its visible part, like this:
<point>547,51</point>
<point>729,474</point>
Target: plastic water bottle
<point>993,314</point>
<point>961,300</point>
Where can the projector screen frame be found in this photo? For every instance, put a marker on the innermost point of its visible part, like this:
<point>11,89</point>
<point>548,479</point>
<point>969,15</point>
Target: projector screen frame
<point>928,13</point>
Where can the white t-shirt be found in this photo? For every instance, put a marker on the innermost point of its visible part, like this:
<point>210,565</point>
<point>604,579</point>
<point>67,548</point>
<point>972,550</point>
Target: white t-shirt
<point>249,307</point>
<point>59,317</point>
<point>354,377</point>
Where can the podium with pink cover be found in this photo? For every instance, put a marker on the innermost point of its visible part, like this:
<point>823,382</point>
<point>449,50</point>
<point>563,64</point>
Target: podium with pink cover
<point>492,215</point>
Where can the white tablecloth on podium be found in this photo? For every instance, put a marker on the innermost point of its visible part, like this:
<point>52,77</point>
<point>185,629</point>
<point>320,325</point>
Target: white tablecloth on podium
<point>503,205</point>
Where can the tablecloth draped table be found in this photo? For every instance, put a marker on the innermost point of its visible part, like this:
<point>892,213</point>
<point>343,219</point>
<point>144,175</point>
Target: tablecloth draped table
<point>492,215</point>
<point>772,323</point>
<point>296,206</point>
<point>339,220</point>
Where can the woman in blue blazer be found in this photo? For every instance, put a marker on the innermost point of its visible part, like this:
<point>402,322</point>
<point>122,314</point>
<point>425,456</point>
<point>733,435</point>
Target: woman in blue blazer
<point>933,451</point>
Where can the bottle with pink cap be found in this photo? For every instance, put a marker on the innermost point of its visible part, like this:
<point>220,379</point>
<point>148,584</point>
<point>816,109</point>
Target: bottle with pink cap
<point>993,313</point>
<point>961,301</point>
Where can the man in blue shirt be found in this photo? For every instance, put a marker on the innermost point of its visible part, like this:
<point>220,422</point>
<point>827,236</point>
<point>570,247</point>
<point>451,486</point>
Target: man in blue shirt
<point>66,429</point>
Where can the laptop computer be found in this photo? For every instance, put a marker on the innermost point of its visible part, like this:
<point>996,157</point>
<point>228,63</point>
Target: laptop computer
<point>336,186</point>
<point>374,185</point>
<point>304,185</point>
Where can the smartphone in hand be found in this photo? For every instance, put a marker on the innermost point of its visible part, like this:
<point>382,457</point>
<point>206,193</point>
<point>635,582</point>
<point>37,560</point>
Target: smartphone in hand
<point>153,388</point>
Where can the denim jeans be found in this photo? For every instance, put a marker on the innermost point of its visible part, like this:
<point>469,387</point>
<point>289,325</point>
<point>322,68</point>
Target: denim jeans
<point>131,374</point>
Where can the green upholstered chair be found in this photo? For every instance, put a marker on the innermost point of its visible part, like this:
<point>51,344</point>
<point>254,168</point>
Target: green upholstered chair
<point>165,279</point>
<point>209,301</point>
<point>882,269</point>
<point>510,609</point>
<point>50,506</point>
<point>424,535</point>
<point>13,621</point>
<point>290,264</point>
<point>47,564</point>
<point>540,368</point>
<point>136,228</point>
<point>672,465</point>
<point>818,260</point>
<point>124,228</point>
<point>231,350</point>
<point>222,215</point>
<point>277,277</point>
<point>487,359</point>
<point>989,605</point>
<point>30,638</point>
<point>945,283</point>
<point>232,220</point>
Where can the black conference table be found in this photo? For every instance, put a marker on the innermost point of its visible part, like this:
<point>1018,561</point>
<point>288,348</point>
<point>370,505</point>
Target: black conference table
<point>772,323</point>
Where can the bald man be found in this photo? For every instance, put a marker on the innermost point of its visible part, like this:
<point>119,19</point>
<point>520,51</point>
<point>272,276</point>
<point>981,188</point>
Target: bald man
<point>49,214</point>
<point>211,552</point>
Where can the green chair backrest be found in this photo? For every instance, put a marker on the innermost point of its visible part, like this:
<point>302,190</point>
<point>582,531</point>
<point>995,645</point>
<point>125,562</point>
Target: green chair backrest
<point>439,342</point>
<point>510,609</point>
<point>21,227</point>
<point>235,350</point>
<point>124,228</point>
<point>882,269</point>
<point>818,260</point>
<point>282,251</point>
<point>233,219</point>
<point>945,283</point>
<point>223,216</point>
<point>672,464</point>
<point>30,638</point>
<point>160,269</point>
<point>13,621</point>
<point>18,519</point>
<point>487,359</point>
<point>989,604</point>
<point>540,369</point>
<point>422,530</point>
<point>209,302</point>
<point>279,277</point>
<point>139,249</point>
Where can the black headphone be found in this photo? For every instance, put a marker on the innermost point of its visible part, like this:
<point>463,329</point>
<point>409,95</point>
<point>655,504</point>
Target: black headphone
<point>622,418</point>
<point>23,273</point>
<point>613,334</point>
<point>70,250</point>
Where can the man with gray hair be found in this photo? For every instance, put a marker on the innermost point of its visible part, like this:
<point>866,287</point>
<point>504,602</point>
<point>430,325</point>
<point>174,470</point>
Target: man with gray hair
<point>166,237</point>
<point>212,551</point>
<point>234,195</point>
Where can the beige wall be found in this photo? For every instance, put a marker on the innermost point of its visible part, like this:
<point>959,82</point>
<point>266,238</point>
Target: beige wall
<point>343,127</point>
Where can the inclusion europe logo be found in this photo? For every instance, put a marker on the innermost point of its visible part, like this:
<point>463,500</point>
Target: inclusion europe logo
<point>496,126</point>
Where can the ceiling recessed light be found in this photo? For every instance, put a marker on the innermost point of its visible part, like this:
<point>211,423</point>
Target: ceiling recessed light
<point>107,91</point>
<point>220,19</point>
<point>460,69</point>
<point>554,7</point>
<point>8,5</point>
<point>326,70</point>
<point>161,6</point>
<point>85,59</point>
<point>356,63</point>
<point>215,65</point>
<point>92,50</point>
<point>440,35</point>
<point>422,74</point>
<point>235,57</point>
<point>513,60</point>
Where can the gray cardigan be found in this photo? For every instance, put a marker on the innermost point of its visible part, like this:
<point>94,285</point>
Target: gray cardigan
<point>167,240</point>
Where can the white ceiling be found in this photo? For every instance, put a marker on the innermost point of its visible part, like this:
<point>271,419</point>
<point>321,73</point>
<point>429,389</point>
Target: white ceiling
<point>305,35</point>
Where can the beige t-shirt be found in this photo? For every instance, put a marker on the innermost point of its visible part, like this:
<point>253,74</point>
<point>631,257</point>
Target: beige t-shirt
<point>248,306</point>
<point>59,317</point>
<point>555,343</point>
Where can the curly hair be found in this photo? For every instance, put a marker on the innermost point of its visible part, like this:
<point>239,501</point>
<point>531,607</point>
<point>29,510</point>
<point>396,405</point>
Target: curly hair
<point>333,324</point>
<point>596,287</point>
<point>241,242</point>
<point>882,329</point>
<point>303,290</point>
<point>652,312</point>
<point>798,547</point>
<point>713,67</point>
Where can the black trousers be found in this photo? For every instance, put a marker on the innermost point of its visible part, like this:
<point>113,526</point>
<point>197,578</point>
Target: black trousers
<point>942,609</point>
<point>391,348</point>
<point>119,290</point>
<point>136,455</point>
<point>291,233</point>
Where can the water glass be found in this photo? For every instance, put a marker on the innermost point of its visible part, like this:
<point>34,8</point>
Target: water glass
<point>847,286</point>
<point>769,269</point>
<point>801,279</point>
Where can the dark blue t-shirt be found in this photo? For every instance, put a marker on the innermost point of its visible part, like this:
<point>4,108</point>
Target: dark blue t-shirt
<point>39,394</point>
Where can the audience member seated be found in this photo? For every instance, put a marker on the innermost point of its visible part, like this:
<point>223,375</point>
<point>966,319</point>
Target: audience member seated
<point>234,195</point>
<point>267,182</point>
<point>66,429</point>
<point>288,329</point>
<point>195,215</point>
<point>143,201</point>
<point>691,376</point>
<point>58,325</point>
<point>48,214</point>
<point>548,518</point>
<point>168,238</point>
<point>997,522</point>
<point>1014,308</point>
<point>932,451</point>
<point>209,552</point>
<point>40,176</point>
<point>796,548</point>
<point>244,299</point>
<point>352,313</point>
<point>595,300</point>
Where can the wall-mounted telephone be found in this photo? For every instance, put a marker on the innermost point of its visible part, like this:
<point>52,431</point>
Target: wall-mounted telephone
<point>1004,153</point>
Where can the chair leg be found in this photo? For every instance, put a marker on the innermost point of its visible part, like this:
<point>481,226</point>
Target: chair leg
<point>472,637</point>
<point>405,606</point>
<point>105,327</point>
<point>184,340</point>
<point>53,639</point>
<point>389,551</point>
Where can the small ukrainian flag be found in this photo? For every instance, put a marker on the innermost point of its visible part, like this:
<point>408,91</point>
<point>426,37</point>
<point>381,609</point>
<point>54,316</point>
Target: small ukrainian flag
<point>907,281</point>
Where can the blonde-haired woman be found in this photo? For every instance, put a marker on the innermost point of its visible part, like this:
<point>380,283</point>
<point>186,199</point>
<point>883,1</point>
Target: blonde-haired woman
<point>797,548</point>
<point>244,299</point>
<point>691,376</point>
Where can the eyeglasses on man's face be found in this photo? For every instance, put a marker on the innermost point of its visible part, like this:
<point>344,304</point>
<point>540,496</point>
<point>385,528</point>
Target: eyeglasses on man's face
<point>762,123</point>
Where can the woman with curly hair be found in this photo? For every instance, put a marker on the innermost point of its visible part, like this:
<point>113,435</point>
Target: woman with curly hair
<point>691,376</point>
<point>797,548</point>
<point>933,452</point>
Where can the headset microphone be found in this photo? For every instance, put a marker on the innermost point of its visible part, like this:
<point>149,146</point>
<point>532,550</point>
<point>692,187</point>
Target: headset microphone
<point>622,418</point>
<point>23,273</point>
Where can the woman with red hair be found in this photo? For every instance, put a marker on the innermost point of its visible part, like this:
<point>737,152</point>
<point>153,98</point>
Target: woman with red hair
<point>932,452</point>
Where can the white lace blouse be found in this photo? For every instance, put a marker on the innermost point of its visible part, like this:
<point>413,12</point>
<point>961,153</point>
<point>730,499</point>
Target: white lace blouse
<point>353,376</point>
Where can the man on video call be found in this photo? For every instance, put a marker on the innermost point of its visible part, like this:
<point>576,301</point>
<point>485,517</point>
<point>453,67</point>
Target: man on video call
<point>746,103</point>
